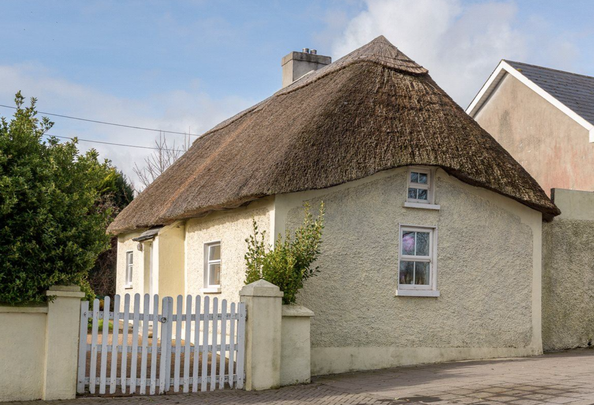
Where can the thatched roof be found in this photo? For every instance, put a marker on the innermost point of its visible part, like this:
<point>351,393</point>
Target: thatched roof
<point>373,110</point>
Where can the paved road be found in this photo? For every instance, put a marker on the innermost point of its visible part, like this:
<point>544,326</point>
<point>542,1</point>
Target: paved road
<point>560,378</point>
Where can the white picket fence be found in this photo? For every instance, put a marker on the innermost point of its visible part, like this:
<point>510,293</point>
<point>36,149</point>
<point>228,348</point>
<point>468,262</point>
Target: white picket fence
<point>202,348</point>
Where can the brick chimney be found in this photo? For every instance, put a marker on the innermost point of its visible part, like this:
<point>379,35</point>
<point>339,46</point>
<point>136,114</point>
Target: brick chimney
<point>296,64</point>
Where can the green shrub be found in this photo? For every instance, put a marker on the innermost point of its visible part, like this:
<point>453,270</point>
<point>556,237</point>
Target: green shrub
<point>289,263</point>
<point>53,214</point>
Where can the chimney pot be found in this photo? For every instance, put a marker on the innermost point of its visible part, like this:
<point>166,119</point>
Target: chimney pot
<point>313,52</point>
<point>305,50</point>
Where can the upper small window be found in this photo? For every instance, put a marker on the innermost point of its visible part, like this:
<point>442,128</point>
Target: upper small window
<point>129,268</point>
<point>420,188</point>
<point>212,265</point>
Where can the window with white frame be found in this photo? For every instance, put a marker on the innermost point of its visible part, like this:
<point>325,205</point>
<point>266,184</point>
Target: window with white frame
<point>417,265</point>
<point>212,265</point>
<point>420,185</point>
<point>129,268</point>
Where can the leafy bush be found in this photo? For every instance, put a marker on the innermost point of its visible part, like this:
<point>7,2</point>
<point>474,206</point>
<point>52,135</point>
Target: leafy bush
<point>52,214</point>
<point>289,263</point>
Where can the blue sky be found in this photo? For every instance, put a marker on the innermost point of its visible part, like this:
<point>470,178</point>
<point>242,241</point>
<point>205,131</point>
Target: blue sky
<point>189,64</point>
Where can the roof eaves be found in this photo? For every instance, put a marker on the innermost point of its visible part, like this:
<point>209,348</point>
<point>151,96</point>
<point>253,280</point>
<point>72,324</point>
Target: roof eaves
<point>495,79</point>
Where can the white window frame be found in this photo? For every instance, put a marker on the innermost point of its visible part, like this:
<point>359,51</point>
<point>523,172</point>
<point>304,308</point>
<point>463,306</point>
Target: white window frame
<point>430,187</point>
<point>419,290</point>
<point>129,269</point>
<point>208,287</point>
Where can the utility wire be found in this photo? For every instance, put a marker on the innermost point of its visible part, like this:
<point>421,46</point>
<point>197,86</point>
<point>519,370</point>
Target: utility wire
<point>116,144</point>
<point>106,123</point>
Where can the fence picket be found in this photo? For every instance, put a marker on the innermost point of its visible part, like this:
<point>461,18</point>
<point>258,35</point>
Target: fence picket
<point>196,345</point>
<point>145,332</point>
<point>104,339</point>
<point>168,347</point>
<point>186,379</point>
<point>240,345</point>
<point>213,353</point>
<point>163,359</point>
<point>134,360</point>
<point>114,345</point>
<point>178,332</point>
<point>223,343</point>
<point>204,376</point>
<point>125,327</point>
<point>232,355</point>
<point>155,324</point>
<point>82,350</point>
<point>94,332</point>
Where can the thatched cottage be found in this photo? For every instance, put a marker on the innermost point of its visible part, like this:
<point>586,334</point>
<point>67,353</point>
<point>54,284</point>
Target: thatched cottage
<point>545,118</point>
<point>432,245</point>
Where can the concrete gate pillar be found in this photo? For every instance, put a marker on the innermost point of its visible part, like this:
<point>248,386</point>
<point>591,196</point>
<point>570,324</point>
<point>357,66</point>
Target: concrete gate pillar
<point>263,302</point>
<point>61,342</point>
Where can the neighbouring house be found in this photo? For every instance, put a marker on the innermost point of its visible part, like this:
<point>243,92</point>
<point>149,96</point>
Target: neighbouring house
<point>545,119</point>
<point>432,248</point>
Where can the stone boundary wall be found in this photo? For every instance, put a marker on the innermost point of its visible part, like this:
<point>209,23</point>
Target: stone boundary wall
<point>568,272</point>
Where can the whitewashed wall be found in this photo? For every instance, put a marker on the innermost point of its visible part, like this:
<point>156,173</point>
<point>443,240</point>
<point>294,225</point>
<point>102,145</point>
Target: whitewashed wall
<point>489,276</point>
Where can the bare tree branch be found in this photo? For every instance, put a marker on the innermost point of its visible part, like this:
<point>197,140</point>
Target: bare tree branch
<point>160,160</point>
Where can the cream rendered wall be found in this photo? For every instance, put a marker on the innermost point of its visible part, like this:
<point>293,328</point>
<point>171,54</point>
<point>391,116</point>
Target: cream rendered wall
<point>489,276</point>
<point>231,228</point>
<point>22,354</point>
<point>568,273</point>
<point>171,252</point>
<point>554,149</point>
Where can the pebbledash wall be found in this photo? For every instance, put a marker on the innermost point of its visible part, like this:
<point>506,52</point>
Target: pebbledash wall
<point>230,228</point>
<point>568,275</point>
<point>489,276</point>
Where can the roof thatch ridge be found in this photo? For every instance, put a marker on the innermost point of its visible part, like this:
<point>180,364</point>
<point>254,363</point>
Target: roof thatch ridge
<point>379,51</point>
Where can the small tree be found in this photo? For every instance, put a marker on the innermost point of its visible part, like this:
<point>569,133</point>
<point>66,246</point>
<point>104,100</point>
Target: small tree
<point>52,215</point>
<point>289,263</point>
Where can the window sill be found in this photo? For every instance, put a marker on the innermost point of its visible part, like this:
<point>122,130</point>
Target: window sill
<point>422,205</point>
<point>417,293</point>
<point>128,287</point>
<point>211,290</point>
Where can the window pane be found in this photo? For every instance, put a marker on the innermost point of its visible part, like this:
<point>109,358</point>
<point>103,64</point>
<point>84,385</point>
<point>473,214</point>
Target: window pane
<point>408,243</point>
<point>406,272</point>
<point>421,273</point>
<point>414,177</point>
<point>422,178</point>
<point>422,195</point>
<point>214,252</point>
<point>214,276</point>
<point>412,193</point>
<point>422,244</point>
<point>130,258</point>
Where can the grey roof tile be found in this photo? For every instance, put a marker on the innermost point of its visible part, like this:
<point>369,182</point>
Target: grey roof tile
<point>574,90</point>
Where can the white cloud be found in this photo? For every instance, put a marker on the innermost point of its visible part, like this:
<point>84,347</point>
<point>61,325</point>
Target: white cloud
<point>459,43</point>
<point>179,110</point>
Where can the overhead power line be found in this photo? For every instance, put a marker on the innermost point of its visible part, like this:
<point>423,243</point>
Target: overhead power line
<point>115,144</point>
<point>107,123</point>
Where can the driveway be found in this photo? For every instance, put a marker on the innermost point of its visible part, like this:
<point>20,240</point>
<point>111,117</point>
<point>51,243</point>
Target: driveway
<point>559,378</point>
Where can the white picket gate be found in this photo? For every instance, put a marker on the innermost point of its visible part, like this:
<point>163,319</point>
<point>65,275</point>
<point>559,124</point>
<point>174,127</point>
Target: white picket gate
<point>205,350</point>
